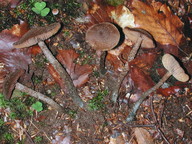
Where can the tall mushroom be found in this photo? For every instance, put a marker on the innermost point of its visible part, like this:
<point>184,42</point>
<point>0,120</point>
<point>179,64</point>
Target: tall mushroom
<point>103,37</point>
<point>140,38</point>
<point>174,69</point>
<point>37,36</point>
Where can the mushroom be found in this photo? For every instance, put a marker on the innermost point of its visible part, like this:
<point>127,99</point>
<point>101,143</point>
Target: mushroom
<point>37,36</point>
<point>103,37</point>
<point>140,38</point>
<point>174,69</point>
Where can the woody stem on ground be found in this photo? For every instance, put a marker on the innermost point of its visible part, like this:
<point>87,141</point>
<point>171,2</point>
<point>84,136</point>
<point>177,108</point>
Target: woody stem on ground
<point>71,89</point>
<point>133,111</point>
<point>39,96</point>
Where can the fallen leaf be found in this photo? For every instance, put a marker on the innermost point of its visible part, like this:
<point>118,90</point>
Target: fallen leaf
<point>144,61</point>
<point>169,91</point>
<point>10,81</point>
<point>56,76</point>
<point>143,136</point>
<point>78,73</point>
<point>159,21</point>
<point>98,13</point>
<point>141,80</point>
<point>13,58</point>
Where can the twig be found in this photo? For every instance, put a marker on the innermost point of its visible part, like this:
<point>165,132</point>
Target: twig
<point>71,90</point>
<point>40,96</point>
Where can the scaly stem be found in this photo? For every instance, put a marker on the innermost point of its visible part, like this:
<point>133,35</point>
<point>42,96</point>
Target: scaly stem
<point>71,90</point>
<point>135,49</point>
<point>102,62</point>
<point>144,96</point>
<point>115,91</point>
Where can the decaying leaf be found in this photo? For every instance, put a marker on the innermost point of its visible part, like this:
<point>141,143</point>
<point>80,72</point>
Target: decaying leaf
<point>78,73</point>
<point>143,136</point>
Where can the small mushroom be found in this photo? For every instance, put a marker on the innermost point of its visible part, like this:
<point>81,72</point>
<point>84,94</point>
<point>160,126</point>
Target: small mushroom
<point>173,67</point>
<point>37,36</point>
<point>103,37</point>
<point>140,38</point>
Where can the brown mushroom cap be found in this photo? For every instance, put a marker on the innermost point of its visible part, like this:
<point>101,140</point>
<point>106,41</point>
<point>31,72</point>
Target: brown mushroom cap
<point>134,34</point>
<point>103,36</point>
<point>36,35</point>
<point>170,63</point>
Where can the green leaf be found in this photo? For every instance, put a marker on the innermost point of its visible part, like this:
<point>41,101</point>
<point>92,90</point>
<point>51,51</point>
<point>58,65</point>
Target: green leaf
<point>45,12</point>
<point>40,5</point>
<point>38,106</point>
<point>36,10</point>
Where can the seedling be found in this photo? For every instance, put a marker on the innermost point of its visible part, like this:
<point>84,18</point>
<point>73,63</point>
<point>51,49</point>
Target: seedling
<point>38,139</point>
<point>97,102</point>
<point>41,9</point>
<point>38,106</point>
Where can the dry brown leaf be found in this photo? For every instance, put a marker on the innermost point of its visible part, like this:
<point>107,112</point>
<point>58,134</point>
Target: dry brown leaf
<point>56,76</point>
<point>158,20</point>
<point>143,136</point>
<point>78,73</point>
<point>141,80</point>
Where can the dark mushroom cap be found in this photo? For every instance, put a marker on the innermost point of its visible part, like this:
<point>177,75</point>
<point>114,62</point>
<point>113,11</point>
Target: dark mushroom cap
<point>170,63</point>
<point>134,34</point>
<point>103,36</point>
<point>36,35</point>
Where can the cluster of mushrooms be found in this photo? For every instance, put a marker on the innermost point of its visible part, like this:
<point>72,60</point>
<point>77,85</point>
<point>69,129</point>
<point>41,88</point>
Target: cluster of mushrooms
<point>102,37</point>
<point>105,36</point>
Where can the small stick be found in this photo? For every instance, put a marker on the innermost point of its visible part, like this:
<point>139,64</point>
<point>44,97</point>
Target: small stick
<point>40,96</point>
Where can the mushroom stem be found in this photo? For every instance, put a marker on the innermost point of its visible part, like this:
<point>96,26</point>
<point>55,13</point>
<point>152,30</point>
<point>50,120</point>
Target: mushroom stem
<point>40,96</point>
<point>135,49</point>
<point>133,111</point>
<point>71,90</point>
<point>102,63</point>
<point>115,91</point>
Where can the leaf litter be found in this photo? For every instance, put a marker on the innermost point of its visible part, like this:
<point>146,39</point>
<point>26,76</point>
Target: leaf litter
<point>108,125</point>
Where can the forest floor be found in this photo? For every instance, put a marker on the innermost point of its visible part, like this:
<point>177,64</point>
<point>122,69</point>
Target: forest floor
<point>164,117</point>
